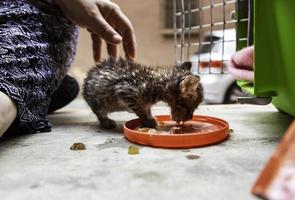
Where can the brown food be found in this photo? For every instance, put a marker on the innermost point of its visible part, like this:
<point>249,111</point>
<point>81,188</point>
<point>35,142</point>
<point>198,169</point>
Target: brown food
<point>161,123</point>
<point>143,129</point>
<point>168,127</point>
<point>78,146</point>
<point>192,157</point>
<point>182,129</point>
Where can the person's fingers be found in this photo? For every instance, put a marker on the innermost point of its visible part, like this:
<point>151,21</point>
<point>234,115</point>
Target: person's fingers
<point>129,40</point>
<point>240,74</point>
<point>122,24</point>
<point>129,44</point>
<point>102,28</point>
<point>112,50</point>
<point>96,47</point>
<point>243,59</point>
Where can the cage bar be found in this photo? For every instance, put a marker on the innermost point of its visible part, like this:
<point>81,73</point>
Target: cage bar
<point>210,43</point>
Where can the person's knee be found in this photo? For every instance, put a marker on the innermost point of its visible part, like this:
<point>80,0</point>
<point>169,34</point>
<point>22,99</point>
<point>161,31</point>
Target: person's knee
<point>8,112</point>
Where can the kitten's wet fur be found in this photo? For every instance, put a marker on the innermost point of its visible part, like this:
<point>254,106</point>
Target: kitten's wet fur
<point>121,85</point>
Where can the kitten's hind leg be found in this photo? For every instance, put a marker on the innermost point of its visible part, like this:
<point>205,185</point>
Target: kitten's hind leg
<point>106,122</point>
<point>101,111</point>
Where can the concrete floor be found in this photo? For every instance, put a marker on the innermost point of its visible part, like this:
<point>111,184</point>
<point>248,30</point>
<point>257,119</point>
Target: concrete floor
<point>42,166</point>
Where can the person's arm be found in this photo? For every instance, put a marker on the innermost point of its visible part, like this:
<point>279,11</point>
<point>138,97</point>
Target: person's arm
<point>105,20</point>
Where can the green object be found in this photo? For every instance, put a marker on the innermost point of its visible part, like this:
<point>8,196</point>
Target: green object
<point>274,56</point>
<point>275,52</point>
<point>246,86</point>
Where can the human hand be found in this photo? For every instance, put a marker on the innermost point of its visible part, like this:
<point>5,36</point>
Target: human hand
<point>241,64</point>
<point>104,20</point>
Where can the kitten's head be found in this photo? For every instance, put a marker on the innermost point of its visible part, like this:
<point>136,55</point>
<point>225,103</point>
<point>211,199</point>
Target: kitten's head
<point>189,94</point>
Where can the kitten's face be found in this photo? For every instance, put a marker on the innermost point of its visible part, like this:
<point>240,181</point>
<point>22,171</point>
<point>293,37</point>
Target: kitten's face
<point>189,97</point>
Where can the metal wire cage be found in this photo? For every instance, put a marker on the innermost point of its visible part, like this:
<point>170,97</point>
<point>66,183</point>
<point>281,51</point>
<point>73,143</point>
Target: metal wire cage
<point>222,27</point>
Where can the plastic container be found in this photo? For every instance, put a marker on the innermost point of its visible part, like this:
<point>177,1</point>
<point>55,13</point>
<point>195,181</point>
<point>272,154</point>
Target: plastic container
<point>274,52</point>
<point>274,62</point>
<point>187,140</point>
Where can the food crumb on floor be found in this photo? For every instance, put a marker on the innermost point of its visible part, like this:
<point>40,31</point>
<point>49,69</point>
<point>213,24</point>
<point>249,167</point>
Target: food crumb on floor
<point>78,146</point>
<point>192,157</point>
<point>132,150</point>
<point>231,130</point>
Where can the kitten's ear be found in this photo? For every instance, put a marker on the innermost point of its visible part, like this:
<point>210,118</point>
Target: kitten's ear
<point>185,66</point>
<point>189,84</point>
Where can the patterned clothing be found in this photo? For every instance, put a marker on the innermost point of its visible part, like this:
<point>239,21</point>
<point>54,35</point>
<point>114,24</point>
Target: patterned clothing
<point>37,46</point>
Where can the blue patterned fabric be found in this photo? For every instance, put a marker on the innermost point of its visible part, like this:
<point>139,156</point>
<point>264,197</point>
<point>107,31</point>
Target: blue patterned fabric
<point>37,46</point>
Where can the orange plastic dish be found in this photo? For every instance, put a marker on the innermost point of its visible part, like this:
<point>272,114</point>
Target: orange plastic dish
<point>219,132</point>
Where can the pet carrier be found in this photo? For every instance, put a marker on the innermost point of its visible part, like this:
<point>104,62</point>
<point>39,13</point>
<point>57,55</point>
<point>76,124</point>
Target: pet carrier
<point>274,48</point>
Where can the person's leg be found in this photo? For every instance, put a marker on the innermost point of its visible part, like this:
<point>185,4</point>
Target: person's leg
<point>31,72</point>
<point>8,112</point>
<point>67,92</point>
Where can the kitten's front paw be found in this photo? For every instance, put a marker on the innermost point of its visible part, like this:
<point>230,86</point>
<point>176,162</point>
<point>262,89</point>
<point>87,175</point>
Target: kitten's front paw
<point>151,123</point>
<point>108,124</point>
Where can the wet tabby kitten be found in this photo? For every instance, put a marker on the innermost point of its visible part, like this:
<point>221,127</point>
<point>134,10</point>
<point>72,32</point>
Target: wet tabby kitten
<point>120,85</point>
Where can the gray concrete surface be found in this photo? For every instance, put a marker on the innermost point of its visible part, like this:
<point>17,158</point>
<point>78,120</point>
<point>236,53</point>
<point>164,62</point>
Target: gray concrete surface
<point>41,166</point>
